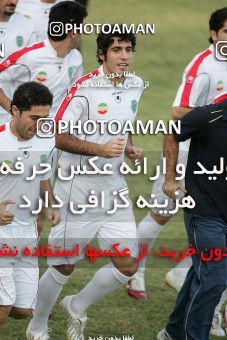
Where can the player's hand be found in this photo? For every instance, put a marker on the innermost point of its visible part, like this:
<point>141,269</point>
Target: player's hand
<point>6,217</point>
<point>113,148</point>
<point>134,153</point>
<point>53,215</point>
<point>170,187</point>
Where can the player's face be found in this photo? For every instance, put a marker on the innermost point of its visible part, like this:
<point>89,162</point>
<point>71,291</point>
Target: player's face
<point>7,7</point>
<point>220,35</point>
<point>118,57</point>
<point>25,123</point>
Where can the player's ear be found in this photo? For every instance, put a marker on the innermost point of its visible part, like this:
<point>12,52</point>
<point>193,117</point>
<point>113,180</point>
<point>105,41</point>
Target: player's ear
<point>213,36</point>
<point>71,34</point>
<point>101,55</point>
<point>15,111</point>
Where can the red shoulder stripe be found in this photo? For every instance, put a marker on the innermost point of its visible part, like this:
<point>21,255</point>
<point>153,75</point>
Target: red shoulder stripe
<point>71,94</point>
<point>220,99</point>
<point>12,59</point>
<point>2,128</point>
<point>190,78</point>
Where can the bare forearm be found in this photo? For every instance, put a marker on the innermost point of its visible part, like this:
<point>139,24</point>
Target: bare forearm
<point>178,112</point>
<point>4,101</point>
<point>170,152</point>
<point>77,146</point>
<point>129,140</point>
<point>45,186</point>
<point>128,144</point>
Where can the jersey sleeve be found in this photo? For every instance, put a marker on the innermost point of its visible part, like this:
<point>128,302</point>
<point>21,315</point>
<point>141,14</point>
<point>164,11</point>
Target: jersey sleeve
<point>12,77</point>
<point>194,89</point>
<point>193,92</point>
<point>78,65</point>
<point>77,107</point>
<point>79,72</point>
<point>141,86</point>
<point>32,38</point>
<point>140,89</point>
<point>16,74</point>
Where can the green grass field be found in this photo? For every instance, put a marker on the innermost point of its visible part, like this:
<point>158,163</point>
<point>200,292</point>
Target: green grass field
<point>181,32</point>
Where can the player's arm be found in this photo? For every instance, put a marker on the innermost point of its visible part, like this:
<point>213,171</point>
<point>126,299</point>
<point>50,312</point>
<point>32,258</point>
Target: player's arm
<point>178,112</point>
<point>5,78</point>
<point>53,213</point>
<point>132,152</point>
<point>192,92</point>
<point>193,125</point>
<point>69,143</point>
<point>76,109</point>
<point>170,152</point>
<point>12,75</point>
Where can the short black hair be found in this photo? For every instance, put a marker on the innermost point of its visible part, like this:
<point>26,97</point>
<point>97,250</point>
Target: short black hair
<point>83,2</point>
<point>217,20</point>
<point>31,94</point>
<point>66,12</point>
<point>104,40</point>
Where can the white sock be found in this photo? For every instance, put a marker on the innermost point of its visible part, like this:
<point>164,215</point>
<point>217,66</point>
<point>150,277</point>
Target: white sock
<point>105,281</point>
<point>50,286</point>
<point>181,270</point>
<point>148,231</point>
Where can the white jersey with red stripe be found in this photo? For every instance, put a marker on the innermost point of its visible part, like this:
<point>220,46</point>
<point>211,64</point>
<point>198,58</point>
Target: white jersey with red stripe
<point>39,62</point>
<point>96,99</point>
<point>204,78</point>
<point>13,186</point>
<point>15,33</point>
<point>38,11</point>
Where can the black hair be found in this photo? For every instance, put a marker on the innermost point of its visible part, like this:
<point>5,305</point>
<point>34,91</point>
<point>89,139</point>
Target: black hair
<point>66,12</point>
<point>104,40</point>
<point>29,94</point>
<point>217,20</point>
<point>83,2</point>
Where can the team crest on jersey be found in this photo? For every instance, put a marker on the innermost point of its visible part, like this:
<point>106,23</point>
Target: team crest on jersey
<point>220,85</point>
<point>8,163</point>
<point>190,80</point>
<point>19,40</point>
<point>41,76</point>
<point>134,105</point>
<point>70,72</point>
<point>43,159</point>
<point>102,108</point>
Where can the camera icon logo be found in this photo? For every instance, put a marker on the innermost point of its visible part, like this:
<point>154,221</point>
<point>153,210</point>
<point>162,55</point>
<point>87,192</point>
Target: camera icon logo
<point>46,127</point>
<point>221,50</point>
<point>56,29</point>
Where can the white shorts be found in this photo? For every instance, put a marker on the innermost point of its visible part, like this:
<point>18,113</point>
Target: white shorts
<point>81,229</point>
<point>19,275</point>
<point>157,187</point>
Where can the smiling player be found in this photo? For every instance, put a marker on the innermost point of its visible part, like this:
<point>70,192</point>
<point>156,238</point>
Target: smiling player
<point>19,275</point>
<point>114,99</point>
